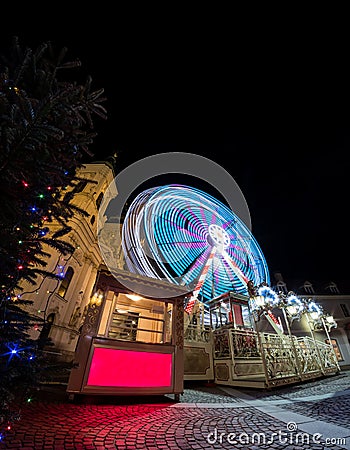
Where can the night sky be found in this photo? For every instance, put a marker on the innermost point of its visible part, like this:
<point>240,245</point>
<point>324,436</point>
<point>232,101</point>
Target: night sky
<point>276,121</point>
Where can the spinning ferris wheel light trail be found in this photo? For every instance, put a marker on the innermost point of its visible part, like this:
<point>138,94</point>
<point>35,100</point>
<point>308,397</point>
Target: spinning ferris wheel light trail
<point>201,280</point>
<point>220,240</point>
<point>185,236</point>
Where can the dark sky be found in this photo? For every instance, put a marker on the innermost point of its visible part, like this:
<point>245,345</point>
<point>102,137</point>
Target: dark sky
<point>277,119</point>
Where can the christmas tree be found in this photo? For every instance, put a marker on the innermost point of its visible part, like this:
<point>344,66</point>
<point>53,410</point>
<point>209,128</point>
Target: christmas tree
<point>46,129</point>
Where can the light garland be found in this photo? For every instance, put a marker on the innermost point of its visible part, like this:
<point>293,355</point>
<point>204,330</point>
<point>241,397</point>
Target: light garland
<point>263,298</point>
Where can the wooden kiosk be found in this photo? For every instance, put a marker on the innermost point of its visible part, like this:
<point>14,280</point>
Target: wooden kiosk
<point>131,344</point>
<point>237,355</point>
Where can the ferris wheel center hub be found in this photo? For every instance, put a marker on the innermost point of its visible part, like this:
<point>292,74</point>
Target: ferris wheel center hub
<point>218,237</point>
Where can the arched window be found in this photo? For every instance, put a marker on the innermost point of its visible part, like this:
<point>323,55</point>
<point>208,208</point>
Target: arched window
<point>66,282</point>
<point>281,286</point>
<point>308,288</point>
<point>99,200</point>
<point>333,288</point>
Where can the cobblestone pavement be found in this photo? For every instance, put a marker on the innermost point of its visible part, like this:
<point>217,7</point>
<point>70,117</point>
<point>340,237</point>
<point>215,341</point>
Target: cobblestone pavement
<point>313,415</point>
<point>335,410</point>
<point>331,384</point>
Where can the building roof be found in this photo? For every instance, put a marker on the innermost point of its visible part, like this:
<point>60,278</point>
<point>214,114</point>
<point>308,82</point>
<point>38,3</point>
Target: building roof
<point>123,280</point>
<point>311,286</point>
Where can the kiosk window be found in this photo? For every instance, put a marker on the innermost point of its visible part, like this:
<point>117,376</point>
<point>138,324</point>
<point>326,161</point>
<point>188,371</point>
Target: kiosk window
<point>135,318</point>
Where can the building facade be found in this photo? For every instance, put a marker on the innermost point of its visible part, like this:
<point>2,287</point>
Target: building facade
<point>62,303</point>
<point>334,299</point>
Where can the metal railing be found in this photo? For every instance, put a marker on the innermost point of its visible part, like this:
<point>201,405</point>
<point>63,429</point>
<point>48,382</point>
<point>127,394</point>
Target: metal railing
<point>197,333</point>
<point>284,357</point>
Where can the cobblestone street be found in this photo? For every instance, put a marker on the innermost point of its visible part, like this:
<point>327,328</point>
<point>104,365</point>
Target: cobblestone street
<point>313,415</point>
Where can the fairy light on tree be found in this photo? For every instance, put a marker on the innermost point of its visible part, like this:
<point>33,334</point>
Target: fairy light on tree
<point>46,124</point>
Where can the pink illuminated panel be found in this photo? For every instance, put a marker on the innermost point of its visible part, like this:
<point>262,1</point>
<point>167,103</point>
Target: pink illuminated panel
<point>126,368</point>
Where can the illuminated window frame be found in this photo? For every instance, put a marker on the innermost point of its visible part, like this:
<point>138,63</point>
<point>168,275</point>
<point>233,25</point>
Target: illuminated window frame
<point>337,350</point>
<point>62,290</point>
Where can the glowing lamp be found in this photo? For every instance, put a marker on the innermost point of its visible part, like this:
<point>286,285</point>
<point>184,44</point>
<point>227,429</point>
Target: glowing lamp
<point>96,299</point>
<point>294,305</point>
<point>270,297</point>
<point>134,297</point>
<point>260,301</point>
<point>292,310</point>
<point>314,310</point>
<point>330,322</point>
<point>314,315</point>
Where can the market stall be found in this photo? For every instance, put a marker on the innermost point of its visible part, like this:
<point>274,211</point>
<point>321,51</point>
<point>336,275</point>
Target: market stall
<point>130,344</point>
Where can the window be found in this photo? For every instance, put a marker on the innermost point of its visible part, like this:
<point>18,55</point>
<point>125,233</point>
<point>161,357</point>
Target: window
<point>308,288</point>
<point>336,349</point>
<point>92,220</point>
<point>135,318</point>
<point>345,310</point>
<point>99,200</point>
<point>332,287</point>
<point>65,282</point>
<point>124,325</point>
<point>281,287</point>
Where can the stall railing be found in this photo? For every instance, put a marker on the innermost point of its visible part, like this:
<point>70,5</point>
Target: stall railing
<point>196,333</point>
<point>285,359</point>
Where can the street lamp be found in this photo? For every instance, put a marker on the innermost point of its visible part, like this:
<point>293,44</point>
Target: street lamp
<point>269,297</point>
<point>294,306</point>
<point>319,321</point>
<point>315,311</point>
<point>292,309</point>
<point>265,300</point>
<point>329,322</point>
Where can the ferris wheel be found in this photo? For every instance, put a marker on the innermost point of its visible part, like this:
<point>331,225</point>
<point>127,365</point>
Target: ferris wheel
<point>186,236</point>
